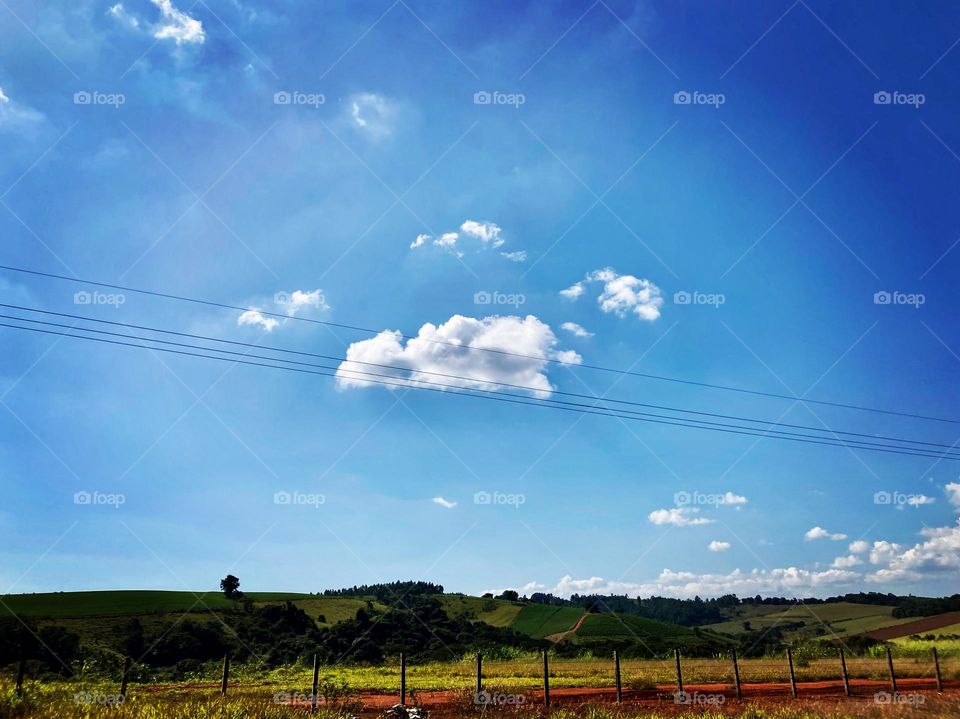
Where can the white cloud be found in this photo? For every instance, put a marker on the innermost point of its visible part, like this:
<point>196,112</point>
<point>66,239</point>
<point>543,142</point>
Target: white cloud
<point>846,562</point>
<point>917,500</point>
<point>445,503</point>
<point>176,25</point>
<point>575,329</point>
<point>573,291</point>
<point>489,235</point>
<point>938,556</point>
<point>859,546</point>
<point>678,517</point>
<point>373,115</point>
<point>3,98</point>
<point>716,546</point>
<point>121,14</point>
<point>486,232</point>
<point>258,319</point>
<point>953,494</point>
<point>300,299</point>
<point>731,498</point>
<point>441,349</point>
<point>621,294</point>
<point>15,116</point>
<point>821,533</point>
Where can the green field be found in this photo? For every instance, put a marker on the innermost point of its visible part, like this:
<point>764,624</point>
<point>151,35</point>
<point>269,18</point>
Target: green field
<point>840,619</point>
<point>495,612</point>
<point>542,620</point>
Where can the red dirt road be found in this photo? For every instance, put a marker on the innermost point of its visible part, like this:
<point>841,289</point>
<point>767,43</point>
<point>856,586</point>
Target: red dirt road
<point>565,696</point>
<point>921,626</point>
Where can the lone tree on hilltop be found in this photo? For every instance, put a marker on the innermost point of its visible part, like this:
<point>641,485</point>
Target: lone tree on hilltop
<point>230,586</point>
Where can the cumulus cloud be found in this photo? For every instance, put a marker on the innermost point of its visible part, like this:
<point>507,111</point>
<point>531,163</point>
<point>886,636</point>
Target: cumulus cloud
<point>177,25</point>
<point>937,556</point>
<point>301,299</point>
<point>678,517</point>
<point>257,319</point>
<point>846,562</point>
<point>575,329</point>
<point>734,499</point>
<point>443,349</point>
<point>859,547</point>
<point>445,503</point>
<point>717,546</point>
<point>483,235</point>
<point>621,295</point>
<point>953,494</point>
<point>373,115</point>
<point>821,533</point>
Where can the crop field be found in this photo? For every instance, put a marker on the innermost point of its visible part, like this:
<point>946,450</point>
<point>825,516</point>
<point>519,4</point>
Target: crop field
<point>824,620</point>
<point>542,620</point>
<point>496,613</point>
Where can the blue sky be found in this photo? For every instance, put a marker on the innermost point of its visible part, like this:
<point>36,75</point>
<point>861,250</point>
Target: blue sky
<point>586,169</point>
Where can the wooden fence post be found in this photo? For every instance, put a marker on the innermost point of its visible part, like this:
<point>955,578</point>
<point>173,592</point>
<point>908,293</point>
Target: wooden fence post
<point>226,675</point>
<point>21,670</point>
<point>546,680</point>
<point>479,673</point>
<point>936,666</point>
<point>403,679</point>
<point>316,677</point>
<point>736,675</point>
<point>893,676</point>
<point>616,675</point>
<point>793,679</point>
<point>676,656</point>
<point>123,680</point>
<point>843,668</point>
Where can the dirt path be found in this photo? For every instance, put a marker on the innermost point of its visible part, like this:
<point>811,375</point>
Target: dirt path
<point>862,689</point>
<point>560,636</point>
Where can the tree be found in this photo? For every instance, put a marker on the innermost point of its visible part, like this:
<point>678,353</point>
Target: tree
<point>509,594</point>
<point>230,586</point>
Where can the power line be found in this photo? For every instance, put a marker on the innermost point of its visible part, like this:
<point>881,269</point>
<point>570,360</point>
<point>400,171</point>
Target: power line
<point>491,395</point>
<point>598,368</point>
<point>437,374</point>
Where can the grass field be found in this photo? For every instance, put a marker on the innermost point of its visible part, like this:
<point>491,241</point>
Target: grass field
<point>840,619</point>
<point>495,612</point>
<point>542,620</point>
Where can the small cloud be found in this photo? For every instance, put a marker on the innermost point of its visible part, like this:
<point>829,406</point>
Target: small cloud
<point>445,503</point>
<point>489,234</point>
<point>447,239</point>
<point>731,498</point>
<point>859,546</point>
<point>373,115</point>
<point>953,494</point>
<point>3,98</point>
<point>918,500</point>
<point>678,517</point>
<point>121,14</point>
<point>257,319</point>
<point>846,562</point>
<point>821,533</point>
<point>573,291</point>
<point>300,299</point>
<point>419,242</point>
<point>621,294</point>
<point>176,25</point>
<point>486,232</point>
<point>575,329</point>
<point>716,546</point>
<point>518,256</point>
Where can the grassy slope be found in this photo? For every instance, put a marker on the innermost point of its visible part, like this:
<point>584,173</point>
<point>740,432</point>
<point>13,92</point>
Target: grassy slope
<point>541,620</point>
<point>495,612</point>
<point>825,620</point>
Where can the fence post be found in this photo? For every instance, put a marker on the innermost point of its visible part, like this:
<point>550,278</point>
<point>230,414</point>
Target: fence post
<point>479,672</point>
<point>546,680</point>
<point>123,679</point>
<point>736,675</point>
<point>936,666</point>
<point>843,668</point>
<point>226,675</point>
<point>793,679</point>
<point>21,670</point>
<point>403,679</point>
<point>316,677</point>
<point>893,676</point>
<point>676,656</point>
<point>616,675</point>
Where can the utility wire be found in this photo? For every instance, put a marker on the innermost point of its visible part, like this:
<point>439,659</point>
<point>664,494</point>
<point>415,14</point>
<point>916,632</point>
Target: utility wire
<point>491,395</point>
<point>440,374</point>
<point>598,368</point>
